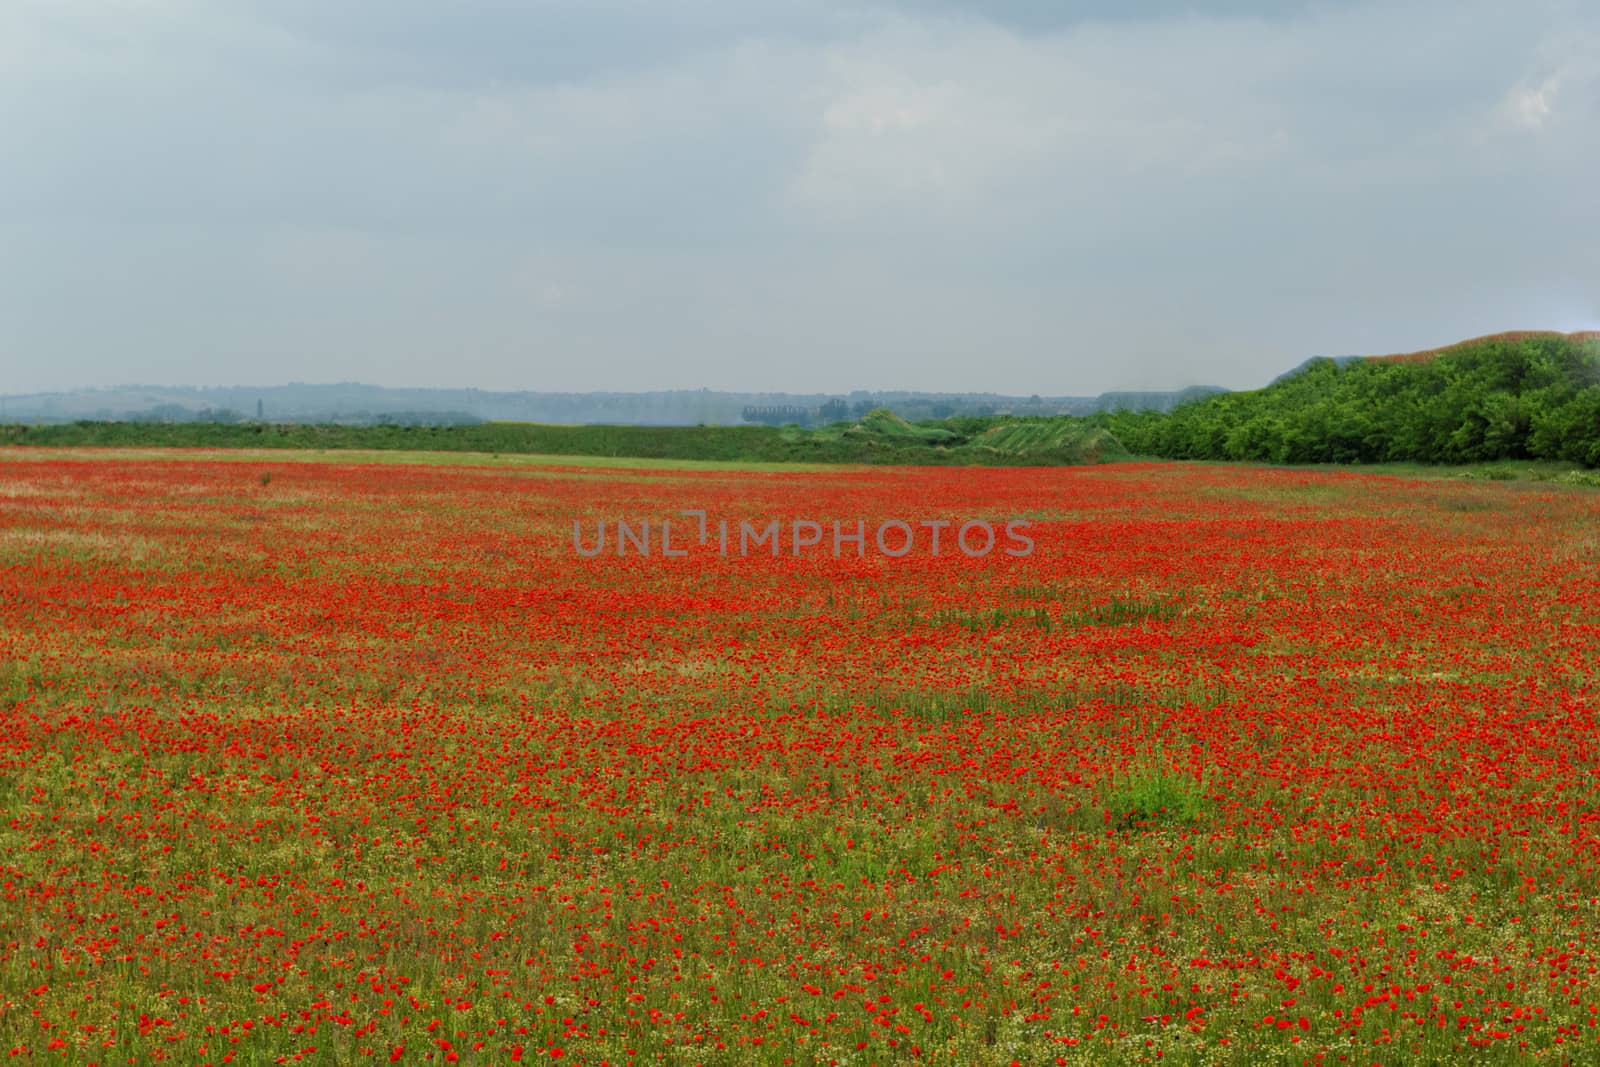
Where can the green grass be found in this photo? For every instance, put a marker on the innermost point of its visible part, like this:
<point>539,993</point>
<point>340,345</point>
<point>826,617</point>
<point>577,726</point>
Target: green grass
<point>512,461</point>
<point>1114,612</point>
<point>1531,471</point>
<point>1119,611</point>
<point>883,423</point>
<point>880,437</point>
<point>1150,797</point>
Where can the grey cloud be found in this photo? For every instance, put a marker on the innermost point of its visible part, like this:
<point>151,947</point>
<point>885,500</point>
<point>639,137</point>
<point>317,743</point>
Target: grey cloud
<point>784,195</point>
<point>501,43</point>
<point>1044,16</point>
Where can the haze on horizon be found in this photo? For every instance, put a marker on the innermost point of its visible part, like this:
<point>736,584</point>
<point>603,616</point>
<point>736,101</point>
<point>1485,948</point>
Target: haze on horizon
<point>1021,197</point>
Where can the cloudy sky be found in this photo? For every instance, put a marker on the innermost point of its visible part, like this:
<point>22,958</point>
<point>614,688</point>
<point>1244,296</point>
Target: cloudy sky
<point>1025,196</point>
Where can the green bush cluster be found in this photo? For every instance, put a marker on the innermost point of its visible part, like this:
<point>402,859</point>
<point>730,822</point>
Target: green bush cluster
<point>1154,797</point>
<point>1527,397</point>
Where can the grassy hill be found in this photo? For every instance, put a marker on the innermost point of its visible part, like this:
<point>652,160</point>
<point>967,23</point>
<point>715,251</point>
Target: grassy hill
<point>1526,395</point>
<point>1515,396</point>
<point>1510,337</point>
<point>879,437</point>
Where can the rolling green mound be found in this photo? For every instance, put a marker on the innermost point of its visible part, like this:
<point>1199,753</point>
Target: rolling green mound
<point>881,424</point>
<point>1051,437</point>
<point>991,440</point>
<point>1529,395</point>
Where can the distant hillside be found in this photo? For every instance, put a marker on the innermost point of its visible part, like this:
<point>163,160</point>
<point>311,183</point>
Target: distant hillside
<point>880,436</point>
<point>354,404</point>
<point>1531,395</point>
<point>1511,337</point>
<point>1338,360</point>
<point>1524,395</point>
<point>1135,401</point>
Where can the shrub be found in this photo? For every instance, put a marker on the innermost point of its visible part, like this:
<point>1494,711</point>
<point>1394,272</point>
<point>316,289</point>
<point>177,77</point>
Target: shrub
<point>1156,796</point>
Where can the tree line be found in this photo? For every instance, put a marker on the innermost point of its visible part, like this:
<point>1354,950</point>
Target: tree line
<point>1531,396</point>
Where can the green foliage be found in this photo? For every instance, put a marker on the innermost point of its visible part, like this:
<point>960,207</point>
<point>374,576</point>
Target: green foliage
<point>880,437</point>
<point>1510,398</point>
<point>1531,396</point>
<point>1156,796</point>
<point>881,422</point>
<point>1590,479</point>
<point>1120,611</point>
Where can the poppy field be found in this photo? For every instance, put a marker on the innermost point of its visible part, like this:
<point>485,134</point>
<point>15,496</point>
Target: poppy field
<point>319,759</point>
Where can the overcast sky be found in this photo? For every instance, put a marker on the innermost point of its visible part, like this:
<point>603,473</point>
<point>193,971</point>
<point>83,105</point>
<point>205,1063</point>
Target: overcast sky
<point>1026,196</point>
